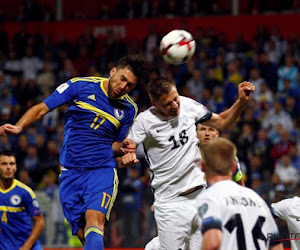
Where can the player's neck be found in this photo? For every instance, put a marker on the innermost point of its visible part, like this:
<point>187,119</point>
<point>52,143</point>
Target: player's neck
<point>216,178</point>
<point>6,183</point>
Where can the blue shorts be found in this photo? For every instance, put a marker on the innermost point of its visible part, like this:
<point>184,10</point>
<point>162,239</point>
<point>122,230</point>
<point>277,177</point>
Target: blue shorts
<point>81,189</point>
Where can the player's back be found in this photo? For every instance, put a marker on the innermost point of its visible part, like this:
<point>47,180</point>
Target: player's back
<point>241,214</point>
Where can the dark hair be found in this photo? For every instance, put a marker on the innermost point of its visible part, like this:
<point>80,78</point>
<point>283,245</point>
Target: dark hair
<point>135,62</point>
<point>7,153</point>
<point>158,87</point>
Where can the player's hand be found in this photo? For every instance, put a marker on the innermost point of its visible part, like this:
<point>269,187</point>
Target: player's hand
<point>245,90</point>
<point>128,146</point>
<point>9,129</point>
<point>128,160</point>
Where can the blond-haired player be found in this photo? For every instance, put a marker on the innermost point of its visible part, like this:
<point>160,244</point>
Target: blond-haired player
<point>167,131</point>
<point>233,216</point>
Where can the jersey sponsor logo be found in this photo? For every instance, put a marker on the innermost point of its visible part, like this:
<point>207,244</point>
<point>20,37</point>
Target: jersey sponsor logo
<point>92,97</point>
<point>15,199</point>
<point>202,209</point>
<point>119,114</point>
<point>61,88</point>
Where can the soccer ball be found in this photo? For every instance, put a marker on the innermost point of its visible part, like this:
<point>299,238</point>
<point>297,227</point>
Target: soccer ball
<point>177,46</point>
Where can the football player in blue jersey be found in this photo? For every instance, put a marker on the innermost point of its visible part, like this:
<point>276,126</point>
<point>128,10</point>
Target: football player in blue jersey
<point>18,205</point>
<point>99,115</point>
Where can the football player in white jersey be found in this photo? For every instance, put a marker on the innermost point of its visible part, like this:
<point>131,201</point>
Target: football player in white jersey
<point>204,134</point>
<point>167,131</point>
<point>289,210</point>
<point>233,217</point>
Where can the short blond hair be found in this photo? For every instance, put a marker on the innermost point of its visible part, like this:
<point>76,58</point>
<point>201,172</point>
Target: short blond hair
<point>219,156</point>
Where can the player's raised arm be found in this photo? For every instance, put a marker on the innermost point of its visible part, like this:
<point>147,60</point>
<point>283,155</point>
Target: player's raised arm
<point>227,118</point>
<point>32,115</point>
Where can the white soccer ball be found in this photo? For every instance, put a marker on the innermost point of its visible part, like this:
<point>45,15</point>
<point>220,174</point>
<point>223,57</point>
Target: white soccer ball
<point>177,46</point>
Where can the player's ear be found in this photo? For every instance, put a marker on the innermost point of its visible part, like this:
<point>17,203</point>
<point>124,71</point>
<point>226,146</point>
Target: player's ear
<point>112,71</point>
<point>234,166</point>
<point>154,104</point>
<point>202,165</point>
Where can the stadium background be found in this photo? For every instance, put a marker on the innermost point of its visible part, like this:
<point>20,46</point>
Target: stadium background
<point>45,42</point>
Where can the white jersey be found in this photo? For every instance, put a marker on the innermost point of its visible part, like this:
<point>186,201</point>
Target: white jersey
<point>171,148</point>
<point>241,214</point>
<point>289,210</point>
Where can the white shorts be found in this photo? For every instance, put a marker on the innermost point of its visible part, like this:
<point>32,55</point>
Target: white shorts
<point>178,223</point>
<point>153,244</point>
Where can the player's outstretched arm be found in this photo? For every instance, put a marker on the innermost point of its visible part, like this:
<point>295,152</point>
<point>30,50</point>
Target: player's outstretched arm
<point>39,224</point>
<point>32,115</point>
<point>212,239</point>
<point>227,118</point>
<point>127,160</point>
<point>123,147</point>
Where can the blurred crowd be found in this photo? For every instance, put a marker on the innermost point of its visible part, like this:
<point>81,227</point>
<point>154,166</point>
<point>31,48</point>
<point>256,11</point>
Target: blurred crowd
<point>42,10</point>
<point>267,135</point>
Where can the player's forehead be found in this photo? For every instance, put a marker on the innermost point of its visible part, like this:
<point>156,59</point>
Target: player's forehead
<point>203,127</point>
<point>7,159</point>
<point>169,97</point>
<point>127,73</point>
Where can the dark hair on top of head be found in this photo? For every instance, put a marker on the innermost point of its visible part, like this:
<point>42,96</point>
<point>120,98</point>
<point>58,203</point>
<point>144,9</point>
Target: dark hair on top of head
<point>7,153</point>
<point>159,87</point>
<point>135,62</point>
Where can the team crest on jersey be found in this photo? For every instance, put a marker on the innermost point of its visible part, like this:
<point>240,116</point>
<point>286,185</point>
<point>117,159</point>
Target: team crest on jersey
<point>35,203</point>
<point>119,114</point>
<point>184,119</point>
<point>15,199</point>
<point>202,210</point>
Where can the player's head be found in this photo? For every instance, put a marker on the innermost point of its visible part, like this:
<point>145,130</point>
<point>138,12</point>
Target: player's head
<point>126,75</point>
<point>164,96</point>
<point>205,133</point>
<point>8,165</point>
<point>218,157</point>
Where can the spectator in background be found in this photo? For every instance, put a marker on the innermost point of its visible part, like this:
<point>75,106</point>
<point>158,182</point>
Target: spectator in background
<point>257,80</point>
<point>289,71</point>
<point>132,188</point>
<point>68,71</point>
<point>211,80</point>
<point>195,84</point>
<point>32,161</point>
<point>12,66</point>
<point>265,95</point>
<point>46,79</point>
<point>276,116</point>
<point>283,146</point>
<point>30,65</point>
<point>262,148</point>
<point>287,172</point>
<point>295,157</point>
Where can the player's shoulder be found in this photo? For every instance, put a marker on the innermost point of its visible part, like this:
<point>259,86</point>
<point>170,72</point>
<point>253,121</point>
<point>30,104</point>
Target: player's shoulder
<point>130,102</point>
<point>87,79</point>
<point>24,189</point>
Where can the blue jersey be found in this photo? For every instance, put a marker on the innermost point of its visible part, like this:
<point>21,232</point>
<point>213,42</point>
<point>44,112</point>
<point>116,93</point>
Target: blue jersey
<point>18,205</point>
<point>93,122</point>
